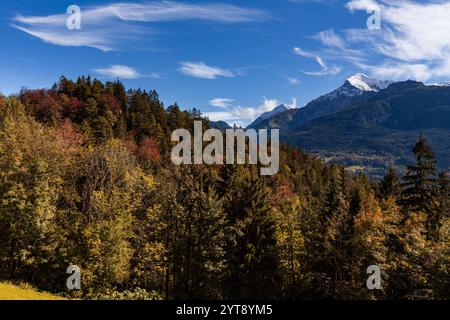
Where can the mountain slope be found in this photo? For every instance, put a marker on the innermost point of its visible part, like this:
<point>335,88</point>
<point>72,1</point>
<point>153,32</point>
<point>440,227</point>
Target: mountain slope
<point>355,89</point>
<point>382,129</point>
<point>268,115</point>
<point>221,125</point>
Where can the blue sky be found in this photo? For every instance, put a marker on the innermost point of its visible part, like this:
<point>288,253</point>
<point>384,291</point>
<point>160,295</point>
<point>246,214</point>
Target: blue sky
<point>231,59</point>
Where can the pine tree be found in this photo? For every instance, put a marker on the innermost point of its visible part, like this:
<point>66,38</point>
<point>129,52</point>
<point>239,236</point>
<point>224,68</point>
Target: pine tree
<point>251,250</point>
<point>331,248</point>
<point>390,184</point>
<point>259,246</point>
<point>232,188</point>
<point>419,186</point>
<point>193,235</point>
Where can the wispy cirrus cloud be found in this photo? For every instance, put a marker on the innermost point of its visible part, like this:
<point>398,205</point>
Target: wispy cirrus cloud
<point>314,1</point>
<point>336,47</point>
<point>412,42</point>
<point>331,39</point>
<point>201,70</point>
<point>223,103</point>
<point>325,69</point>
<point>122,72</point>
<point>293,81</point>
<point>107,27</point>
<point>355,5</point>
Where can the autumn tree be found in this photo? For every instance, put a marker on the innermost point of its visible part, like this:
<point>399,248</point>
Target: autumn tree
<point>32,166</point>
<point>105,192</point>
<point>289,216</point>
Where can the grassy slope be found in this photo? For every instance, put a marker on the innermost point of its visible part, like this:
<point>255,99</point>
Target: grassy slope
<point>12,292</point>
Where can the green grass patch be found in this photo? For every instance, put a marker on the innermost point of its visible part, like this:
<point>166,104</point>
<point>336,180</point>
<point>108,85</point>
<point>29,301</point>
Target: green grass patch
<point>10,291</point>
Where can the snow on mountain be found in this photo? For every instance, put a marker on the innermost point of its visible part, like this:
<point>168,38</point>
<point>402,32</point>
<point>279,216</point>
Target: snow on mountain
<point>442,84</point>
<point>365,83</point>
<point>357,85</point>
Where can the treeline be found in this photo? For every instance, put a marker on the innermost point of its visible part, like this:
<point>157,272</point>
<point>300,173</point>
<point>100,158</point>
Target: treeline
<point>86,179</point>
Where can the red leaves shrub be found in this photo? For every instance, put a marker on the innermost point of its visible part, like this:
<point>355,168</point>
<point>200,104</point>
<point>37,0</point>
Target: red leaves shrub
<point>284,192</point>
<point>68,135</point>
<point>43,104</point>
<point>148,150</point>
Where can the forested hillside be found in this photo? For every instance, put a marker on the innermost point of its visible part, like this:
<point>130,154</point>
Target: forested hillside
<point>86,179</point>
<point>371,131</point>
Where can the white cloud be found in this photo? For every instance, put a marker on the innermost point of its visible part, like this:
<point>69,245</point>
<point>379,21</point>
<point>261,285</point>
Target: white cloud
<point>313,1</point>
<point>337,48</point>
<point>202,70</point>
<point>108,27</point>
<point>419,72</point>
<point>413,42</point>
<point>362,5</point>
<point>331,39</point>
<point>99,39</point>
<point>245,115</point>
<point>170,11</point>
<point>119,71</point>
<point>293,81</point>
<point>223,103</point>
<point>292,105</point>
<point>332,71</point>
<point>325,69</point>
<point>303,53</point>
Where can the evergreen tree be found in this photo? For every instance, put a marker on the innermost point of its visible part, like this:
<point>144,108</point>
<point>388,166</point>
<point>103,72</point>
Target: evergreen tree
<point>193,235</point>
<point>251,251</point>
<point>259,246</point>
<point>390,184</point>
<point>419,186</point>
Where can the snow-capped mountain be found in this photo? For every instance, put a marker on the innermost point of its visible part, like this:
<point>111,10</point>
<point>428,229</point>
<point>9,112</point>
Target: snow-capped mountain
<point>357,85</point>
<point>354,88</point>
<point>369,123</point>
<point>266,115</point>
<point>365,83</point>
<point>442,84</point>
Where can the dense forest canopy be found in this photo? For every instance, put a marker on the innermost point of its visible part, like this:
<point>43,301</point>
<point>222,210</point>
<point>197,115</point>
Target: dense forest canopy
<point>86,179</point>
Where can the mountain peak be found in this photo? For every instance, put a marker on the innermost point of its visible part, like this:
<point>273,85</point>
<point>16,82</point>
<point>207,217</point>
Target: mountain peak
<point>281,107</point>
<point>273,112</point>
<point>365,83</point>
<point>266,115</point>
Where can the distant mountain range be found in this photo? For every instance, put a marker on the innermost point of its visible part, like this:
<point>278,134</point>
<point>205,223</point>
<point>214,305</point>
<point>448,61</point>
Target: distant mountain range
<point>354,89</point>
<point>368,124</point>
